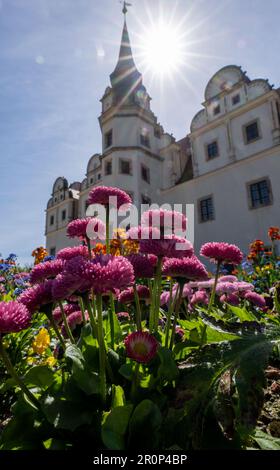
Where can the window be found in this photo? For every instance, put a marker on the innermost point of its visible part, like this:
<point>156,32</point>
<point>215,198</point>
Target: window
<point>91,180</point>
<point>108,139</point>
<point>145,137</point>
<point>125,167</point>
<point>157,133</point>
<point>145,172</point>
<point>206,209</point>
<point>145,200</point>
<point>251,132</point>
<point>216,110</point>
<point>51,219</point>
<point>52,251</point>
<point>99,176</point>
<point>235,99</point>
<point>61,197</point>
<point>63,215</point>
<point>260,194</point>
<point>212,150</point>
<point>108,167</point>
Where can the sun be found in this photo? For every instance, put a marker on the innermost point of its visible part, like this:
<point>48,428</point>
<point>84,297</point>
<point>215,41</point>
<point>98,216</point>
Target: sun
<point>163,48</point>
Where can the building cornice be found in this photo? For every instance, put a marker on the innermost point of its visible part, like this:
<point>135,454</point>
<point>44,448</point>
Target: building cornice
<point>132,148</point>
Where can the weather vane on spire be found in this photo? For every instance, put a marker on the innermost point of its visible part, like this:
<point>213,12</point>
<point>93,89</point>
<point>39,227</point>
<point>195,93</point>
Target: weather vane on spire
<point>125,5</point>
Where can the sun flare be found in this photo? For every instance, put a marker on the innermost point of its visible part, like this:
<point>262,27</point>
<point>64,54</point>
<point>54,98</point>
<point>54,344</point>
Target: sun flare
<point>163,48</point>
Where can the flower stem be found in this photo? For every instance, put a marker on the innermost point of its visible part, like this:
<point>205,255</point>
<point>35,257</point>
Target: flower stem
<point>157,287</point>
<point>91,318</point>
<point>82,307</point>
<point>55,328</point>
<point>169,313</point>
<point>111,313</point>
<point>138,309</point>
<point>178,303</point>
<point>135,382</point>
<point>67,328</point>
<point>211,301</point>
<point>102,355</point>
<point>11,370</point>
<point>107,229</point>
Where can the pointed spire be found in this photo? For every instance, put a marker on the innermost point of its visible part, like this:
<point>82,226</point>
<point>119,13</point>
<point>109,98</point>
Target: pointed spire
<point>125,76</point>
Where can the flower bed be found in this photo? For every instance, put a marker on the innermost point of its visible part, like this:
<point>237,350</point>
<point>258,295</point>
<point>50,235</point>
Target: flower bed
<point>132,344</point>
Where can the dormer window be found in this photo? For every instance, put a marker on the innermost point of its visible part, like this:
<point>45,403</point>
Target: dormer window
<point>108,139</point>
<point>145,137</point>
<point>235,99</point>
<point>212,150</point>
<point>216,110</point>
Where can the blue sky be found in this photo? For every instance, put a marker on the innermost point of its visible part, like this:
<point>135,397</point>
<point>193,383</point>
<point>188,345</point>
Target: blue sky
<point>55,61</point>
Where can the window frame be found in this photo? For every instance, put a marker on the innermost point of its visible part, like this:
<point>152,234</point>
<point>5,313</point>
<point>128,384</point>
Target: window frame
<point>125,160</point>
<point>51,219</point>
<point>63,215</point>
<point>244,127</point>
<point>200,200</point>
<point>217,110</point>
<point>206,150</point>
<point>249,193</point>
<point>106,136</point>
<point>147,169</point>
<point>237,95</point>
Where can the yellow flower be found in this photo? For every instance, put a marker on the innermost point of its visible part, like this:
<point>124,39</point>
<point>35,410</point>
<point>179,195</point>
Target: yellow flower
<point>41,341</point>
<point>30,360</point>
<point>50,361</point>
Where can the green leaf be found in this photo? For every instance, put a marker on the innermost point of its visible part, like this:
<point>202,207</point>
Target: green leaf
<point>39,376</point>
<point>7,385</point>
<point>242,313</point>
<point>114,427</point>
<point>265,441</point>
<point>85,378</point>
<point>127,371</point>
<point>55,444</point>
<point>168,369</point>
<point>144,426</point>
<point>74,353</point>
<point>63,414</point>
<point>118,396</point>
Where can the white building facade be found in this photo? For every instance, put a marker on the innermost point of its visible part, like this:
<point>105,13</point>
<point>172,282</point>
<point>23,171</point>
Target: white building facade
<point>228,166</point>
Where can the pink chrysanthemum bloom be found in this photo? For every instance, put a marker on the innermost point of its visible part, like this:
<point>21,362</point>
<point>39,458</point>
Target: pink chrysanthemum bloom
<point>144,266</point>
<point>221,252</point>
<point>206,284</point>
<point>141,346</point>
<point>123,316</point>
<point>34,297</point>
<point>68,309</point>
<point>170,247</point>
<point>187,268</point>
<point>43,271</point>
<point>143,233</point>
<point>228,278</point>
<point>255,299</point>
<point>200,297</point>
<point>127,295</point>
<point>242,286</point>
<point>102,194</point>
<point>72,252</point>
<point>165,298</point>
<point>187,290</point>
<point>65,285</point>
<point>81,228</point>
<point>164,219</point>
<point>231,299</point>
<point>14,317</point>
<point>74,319</point>
<point>106,273</point>
<point>225,288</point>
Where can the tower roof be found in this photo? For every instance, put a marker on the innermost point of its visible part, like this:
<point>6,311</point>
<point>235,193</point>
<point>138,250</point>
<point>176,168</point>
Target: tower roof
<point>125,79</point>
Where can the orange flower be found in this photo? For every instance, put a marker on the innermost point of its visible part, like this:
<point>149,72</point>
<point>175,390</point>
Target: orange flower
<point>99,249</point>
<point>274,233</point>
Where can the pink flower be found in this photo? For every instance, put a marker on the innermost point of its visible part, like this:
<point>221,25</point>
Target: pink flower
<point>225,288</point>
<point>65,285</point>
<point>243,286</point>
<point>46,270</point>
<point>106,273</point>
<point>68,309</point>
<point>228,278</point>
<point>141,346</point>
<point>205,284</point>
<point>164,219</point>
<point>221,252</point>
<point>71,252</point>
<point>88,227</point>
<point>144,266</point>
<point>255,299</point>
<point>171,247</point>
<point>123,316</point>
<point>74,319</point>
<point>231,299</point>
<point>143,233</point>
<point>14,317</point>
<point>200,297</point>
<point>103,195</point>
<point>127,296</point>
<point>188,268</point>
<point>34,297</point>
